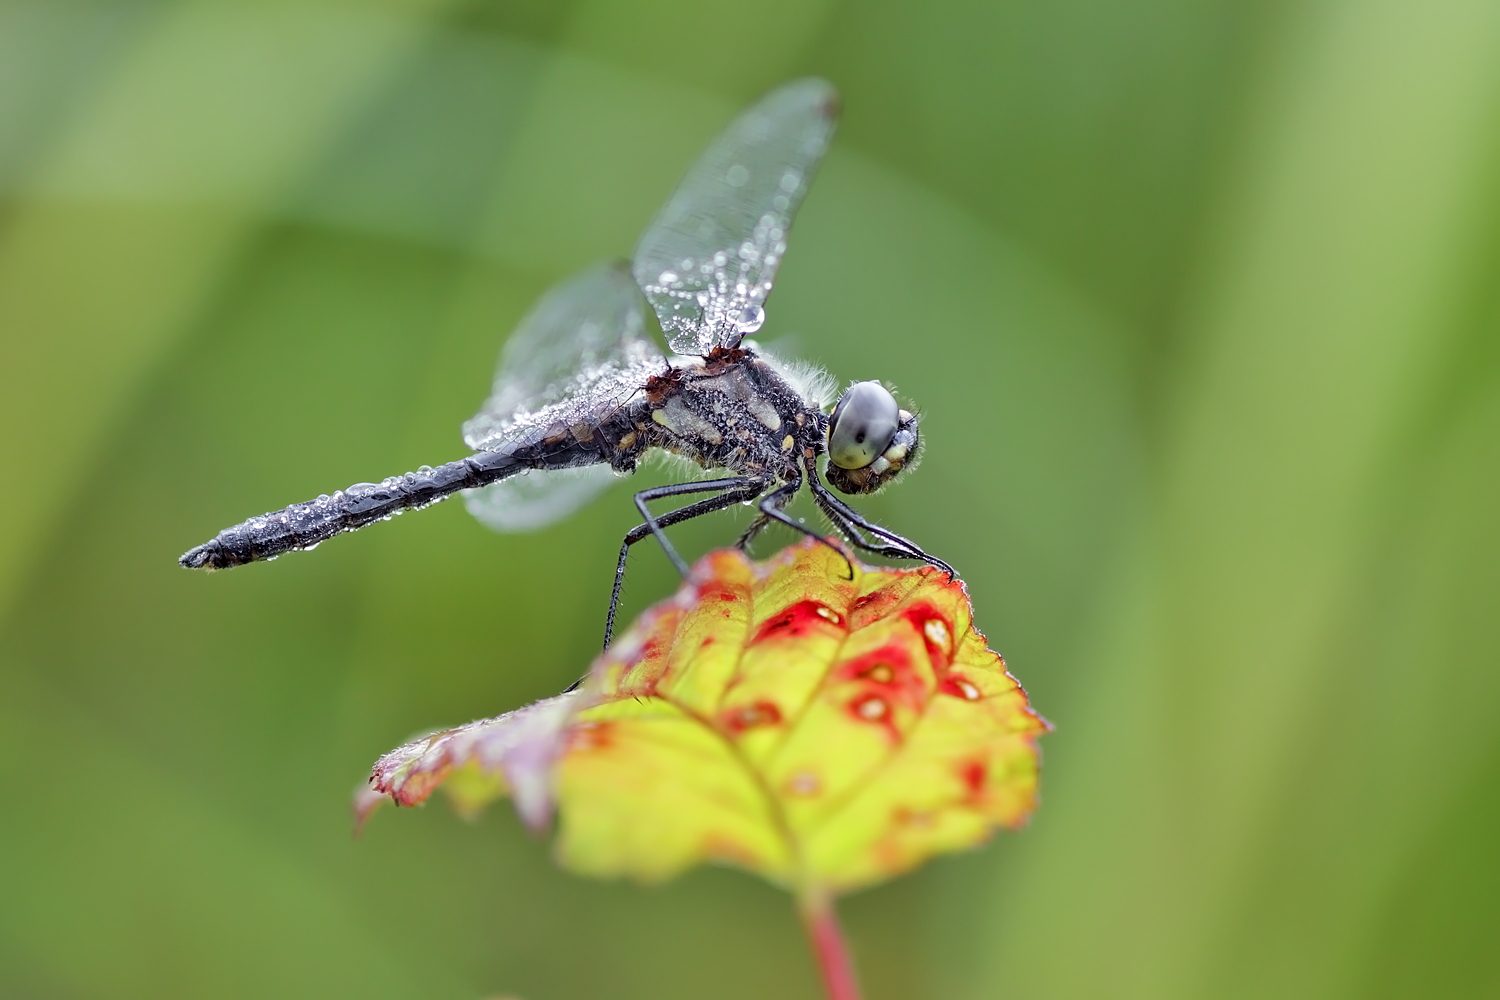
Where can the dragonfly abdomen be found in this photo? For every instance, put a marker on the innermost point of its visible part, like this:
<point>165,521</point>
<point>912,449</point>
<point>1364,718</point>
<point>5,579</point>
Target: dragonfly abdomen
<point>305,525</point>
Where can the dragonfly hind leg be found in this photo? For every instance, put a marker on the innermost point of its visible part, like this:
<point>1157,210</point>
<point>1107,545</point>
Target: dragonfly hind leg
<point>747,536</point>
<point>736,490</point>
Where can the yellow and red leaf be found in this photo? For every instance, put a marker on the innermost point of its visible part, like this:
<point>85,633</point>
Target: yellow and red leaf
<point>778,716</point>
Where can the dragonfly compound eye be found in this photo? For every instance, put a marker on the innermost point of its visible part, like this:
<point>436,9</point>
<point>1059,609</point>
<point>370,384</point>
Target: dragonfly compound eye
<point>862,426</point>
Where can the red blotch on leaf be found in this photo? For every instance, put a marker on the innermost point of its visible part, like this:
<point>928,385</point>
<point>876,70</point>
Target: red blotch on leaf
<point>591,736</point>
<point>936,632</point>
<point>881,602</point>
<point>798,621</point>
<point>710,594</point>
<point>871,606</point>
<point>885,678</point>
<point>973,774</point>
<point>761,713</point>
<point>959,687</point>
<point>905,816</point>
<point>890,668</point>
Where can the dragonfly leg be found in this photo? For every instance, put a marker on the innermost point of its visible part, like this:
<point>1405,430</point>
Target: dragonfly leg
<point>850,520</point>
<point>736,490</point>
<point>748,535</point>
<point>653,523</point>
<point>770,507</point>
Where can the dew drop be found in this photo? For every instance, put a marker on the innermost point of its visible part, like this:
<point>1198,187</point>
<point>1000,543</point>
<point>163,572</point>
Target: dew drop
<point>872,709</point>
<point>751,319</point>
<point>736,175</point>
<point>936,631</point>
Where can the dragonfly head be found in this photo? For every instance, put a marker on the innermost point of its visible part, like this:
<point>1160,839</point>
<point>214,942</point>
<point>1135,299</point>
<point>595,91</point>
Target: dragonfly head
<point>871,439</point>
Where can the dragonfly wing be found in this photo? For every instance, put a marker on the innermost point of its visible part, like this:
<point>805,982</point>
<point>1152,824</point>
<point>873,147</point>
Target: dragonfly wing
<point>537,498</point>
<point>580,353</point>
<point>707,262</point>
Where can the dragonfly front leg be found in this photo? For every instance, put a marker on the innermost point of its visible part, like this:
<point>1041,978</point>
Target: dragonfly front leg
<point>770,507</point>
<point>849,521</point>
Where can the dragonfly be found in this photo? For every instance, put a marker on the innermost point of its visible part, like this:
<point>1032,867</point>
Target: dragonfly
<point>584,390</point>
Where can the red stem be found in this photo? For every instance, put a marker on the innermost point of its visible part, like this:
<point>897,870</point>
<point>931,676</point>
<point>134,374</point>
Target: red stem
<point>829,946</point>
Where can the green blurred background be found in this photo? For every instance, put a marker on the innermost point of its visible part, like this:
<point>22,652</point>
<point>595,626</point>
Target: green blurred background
<point>1201,302</point>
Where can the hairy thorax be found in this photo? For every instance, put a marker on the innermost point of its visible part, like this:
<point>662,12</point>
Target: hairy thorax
<point>734,411</point>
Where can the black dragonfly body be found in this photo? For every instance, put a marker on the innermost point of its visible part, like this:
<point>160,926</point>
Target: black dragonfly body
<point>583,392</point>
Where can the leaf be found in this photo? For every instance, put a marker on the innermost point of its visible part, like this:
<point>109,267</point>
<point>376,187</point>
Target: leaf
<point>511,754</point>
<point>777,716</point>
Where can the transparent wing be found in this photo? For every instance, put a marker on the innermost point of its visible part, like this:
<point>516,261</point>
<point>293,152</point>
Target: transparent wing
<point>575,359</point>
<point>708,260</point>
<point>537,498</point>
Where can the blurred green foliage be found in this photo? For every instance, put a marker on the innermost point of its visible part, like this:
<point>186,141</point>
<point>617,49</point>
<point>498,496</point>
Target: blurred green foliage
<point>1200,300</point>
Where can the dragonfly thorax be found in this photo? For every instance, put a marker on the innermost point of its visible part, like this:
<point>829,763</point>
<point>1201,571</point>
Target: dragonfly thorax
<point>735,411</point>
